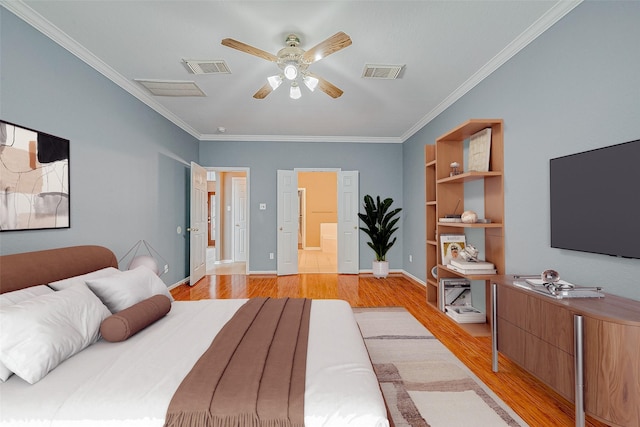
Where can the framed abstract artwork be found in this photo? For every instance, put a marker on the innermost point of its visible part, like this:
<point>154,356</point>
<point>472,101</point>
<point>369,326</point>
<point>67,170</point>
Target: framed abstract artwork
<point>34,179</point>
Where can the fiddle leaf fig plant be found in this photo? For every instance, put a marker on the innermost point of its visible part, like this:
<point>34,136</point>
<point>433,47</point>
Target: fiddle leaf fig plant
<point>379,224</point>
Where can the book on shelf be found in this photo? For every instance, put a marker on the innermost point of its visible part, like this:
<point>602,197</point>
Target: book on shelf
<point>450,219</point>
<point>471,271</point>
<point>480,150</point>
<point>450,246</point>
<point>472,265</point>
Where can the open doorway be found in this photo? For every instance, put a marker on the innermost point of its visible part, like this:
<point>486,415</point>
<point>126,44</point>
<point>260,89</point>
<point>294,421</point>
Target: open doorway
<point>318,222</point>
<point>347,239</point>
<point>228,204</point>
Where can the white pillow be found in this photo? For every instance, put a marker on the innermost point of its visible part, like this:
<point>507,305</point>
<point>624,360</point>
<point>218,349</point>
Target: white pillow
<point>5,373</point>
<point>15,297</point>
<point>65,283</point>
<point>40,333</point>
<point>128,288</point>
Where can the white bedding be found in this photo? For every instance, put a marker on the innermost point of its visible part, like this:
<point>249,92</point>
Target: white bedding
<point>130,383</point>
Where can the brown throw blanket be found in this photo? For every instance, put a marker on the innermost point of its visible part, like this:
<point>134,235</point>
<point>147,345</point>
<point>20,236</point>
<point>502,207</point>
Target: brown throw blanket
<point>253,374</point>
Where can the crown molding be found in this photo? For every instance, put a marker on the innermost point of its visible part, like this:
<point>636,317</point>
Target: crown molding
<point>31,17</point>
<point>553,15</point>
<point>302,138</point>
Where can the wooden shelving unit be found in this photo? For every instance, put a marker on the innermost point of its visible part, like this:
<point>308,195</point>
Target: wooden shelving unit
<point>431,206</point>
<point>445,192</point>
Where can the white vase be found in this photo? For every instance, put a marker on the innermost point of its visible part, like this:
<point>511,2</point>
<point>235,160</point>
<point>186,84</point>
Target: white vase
<point>380,269</point>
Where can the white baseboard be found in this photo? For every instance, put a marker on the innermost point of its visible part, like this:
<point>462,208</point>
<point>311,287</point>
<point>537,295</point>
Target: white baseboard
<point>403,272</point>
<point>273,273</point>
<point>178,283</point>
<point>414,278</point>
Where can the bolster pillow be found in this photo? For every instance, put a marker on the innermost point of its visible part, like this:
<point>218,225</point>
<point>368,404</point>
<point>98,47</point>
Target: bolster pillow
<point>128,322</point>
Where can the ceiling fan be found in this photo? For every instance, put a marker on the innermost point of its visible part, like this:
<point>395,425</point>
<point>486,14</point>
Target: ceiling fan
<point>294,62</point>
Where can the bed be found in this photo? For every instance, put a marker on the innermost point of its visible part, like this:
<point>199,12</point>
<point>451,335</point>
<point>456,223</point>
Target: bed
<point>132,381</point>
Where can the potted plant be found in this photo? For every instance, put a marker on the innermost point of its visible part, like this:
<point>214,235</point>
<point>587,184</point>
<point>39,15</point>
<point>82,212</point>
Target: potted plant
<point>379,226</point>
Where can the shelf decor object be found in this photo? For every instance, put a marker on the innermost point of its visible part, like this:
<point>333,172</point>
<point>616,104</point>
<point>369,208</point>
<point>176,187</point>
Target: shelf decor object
<point>480,150</point>
<point>445,194</point>
<point>451,245</point>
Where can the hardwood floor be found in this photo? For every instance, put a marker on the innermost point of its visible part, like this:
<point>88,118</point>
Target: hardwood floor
<point>537,404</point>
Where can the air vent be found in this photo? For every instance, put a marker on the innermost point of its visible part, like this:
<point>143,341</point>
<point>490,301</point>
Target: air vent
<point>172,88</point>
<point>207,66</point>
<point>381,71</point>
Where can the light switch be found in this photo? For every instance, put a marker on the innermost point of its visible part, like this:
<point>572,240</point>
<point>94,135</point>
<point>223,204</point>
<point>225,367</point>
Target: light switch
<point>263,206</point>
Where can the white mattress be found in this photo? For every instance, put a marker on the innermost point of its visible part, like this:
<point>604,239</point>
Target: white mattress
<point>131,383</point>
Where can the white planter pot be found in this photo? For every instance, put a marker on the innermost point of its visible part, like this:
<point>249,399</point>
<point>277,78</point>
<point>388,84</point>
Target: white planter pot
<point>380,269</point>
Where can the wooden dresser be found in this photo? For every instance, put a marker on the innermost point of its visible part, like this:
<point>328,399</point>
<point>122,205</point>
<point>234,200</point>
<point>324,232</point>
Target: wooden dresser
<point>537,332</point>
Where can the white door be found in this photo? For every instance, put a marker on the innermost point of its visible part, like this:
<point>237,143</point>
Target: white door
<point>198,224</point>
<point>239,207</point>
<point>287,214</point>
<point>348,230</point>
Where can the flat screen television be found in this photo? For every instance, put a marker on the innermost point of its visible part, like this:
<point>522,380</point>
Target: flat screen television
<point>595,201</point>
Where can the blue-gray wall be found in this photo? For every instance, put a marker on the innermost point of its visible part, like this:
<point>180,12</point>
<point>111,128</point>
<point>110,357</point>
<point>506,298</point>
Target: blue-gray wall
<point>575,88</point>
<point>128,165</point>
<point>380,173</point>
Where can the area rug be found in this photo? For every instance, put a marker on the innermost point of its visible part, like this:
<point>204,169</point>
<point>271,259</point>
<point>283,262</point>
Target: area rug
<point>423,383</point>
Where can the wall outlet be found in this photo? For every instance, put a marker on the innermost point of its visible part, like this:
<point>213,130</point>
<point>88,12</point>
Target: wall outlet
<point>166,268</point>
<point>410,258</point>
<point>270,255</point>
<point>263,206</point>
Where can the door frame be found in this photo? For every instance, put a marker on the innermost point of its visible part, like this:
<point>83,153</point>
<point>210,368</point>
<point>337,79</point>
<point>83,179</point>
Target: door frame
<point>247,172</point>
<point>302,215</point>
<point>337,171</point>
<point>211,242</point>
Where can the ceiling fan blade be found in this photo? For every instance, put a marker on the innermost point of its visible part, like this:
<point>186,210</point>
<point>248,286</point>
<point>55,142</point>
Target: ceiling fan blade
<point>328,88</point>
<point>243,47</point>
<point>263,91</point>
<point>331,45</point>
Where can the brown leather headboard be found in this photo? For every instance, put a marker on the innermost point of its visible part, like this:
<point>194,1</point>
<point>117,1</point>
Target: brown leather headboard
<point>20,271</point>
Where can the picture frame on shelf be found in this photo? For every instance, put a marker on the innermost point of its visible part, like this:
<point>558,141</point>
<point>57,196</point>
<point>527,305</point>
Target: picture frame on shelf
<point>450,246</point>
<point>480,151</point>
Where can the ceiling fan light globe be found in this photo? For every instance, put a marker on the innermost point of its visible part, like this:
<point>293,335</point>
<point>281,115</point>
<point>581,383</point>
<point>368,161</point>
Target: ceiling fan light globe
<point>311,82</point>
<point>274,81</point>
<point>290,71</point>
<point>294,92</point>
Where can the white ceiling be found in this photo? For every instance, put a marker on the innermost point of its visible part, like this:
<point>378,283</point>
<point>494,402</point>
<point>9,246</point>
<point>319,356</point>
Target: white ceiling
<point>446,47</point>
